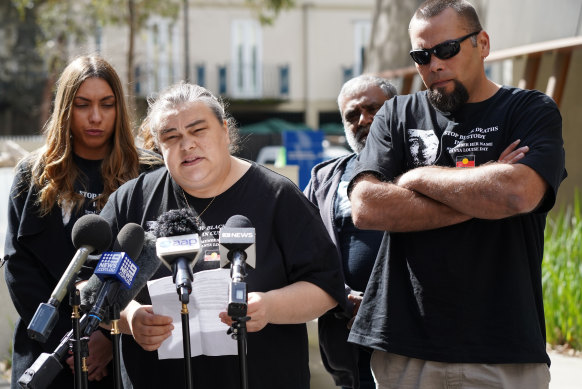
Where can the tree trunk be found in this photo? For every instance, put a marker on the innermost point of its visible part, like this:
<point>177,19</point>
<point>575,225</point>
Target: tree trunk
<point>130,58</point>
<point>389,41</point>
<point>56,63</point>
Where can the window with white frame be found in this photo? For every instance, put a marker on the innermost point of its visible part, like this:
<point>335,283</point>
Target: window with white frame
<point>246,55</point>
<point>161,66</point>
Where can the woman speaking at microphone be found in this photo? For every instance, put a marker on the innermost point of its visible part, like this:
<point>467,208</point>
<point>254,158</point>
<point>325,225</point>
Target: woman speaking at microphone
<point>89,152</point>
<point>296,278</point>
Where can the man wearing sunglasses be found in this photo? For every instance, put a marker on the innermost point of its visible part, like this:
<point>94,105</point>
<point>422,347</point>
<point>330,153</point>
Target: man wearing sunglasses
<point>455,295</point>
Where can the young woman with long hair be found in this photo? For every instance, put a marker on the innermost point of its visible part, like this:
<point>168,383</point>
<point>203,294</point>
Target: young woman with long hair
<point>89,152</point>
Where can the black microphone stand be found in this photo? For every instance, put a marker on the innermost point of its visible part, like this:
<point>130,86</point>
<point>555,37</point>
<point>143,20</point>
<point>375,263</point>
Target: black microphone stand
<point>115,338</point>
<point>183,278</point>
<point>237,310</point>
<point>186,344</point>
<point>238,331</point>
<point>79,345</point>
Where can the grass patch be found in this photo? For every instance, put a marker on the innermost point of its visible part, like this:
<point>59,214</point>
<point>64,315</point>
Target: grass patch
<point>562,276</point>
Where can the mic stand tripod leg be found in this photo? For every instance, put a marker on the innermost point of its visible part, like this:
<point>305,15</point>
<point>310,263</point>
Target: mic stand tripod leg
<point>115,338</point>
<point>186,344</point>
<point>238,331</point>
<point>79,345</point>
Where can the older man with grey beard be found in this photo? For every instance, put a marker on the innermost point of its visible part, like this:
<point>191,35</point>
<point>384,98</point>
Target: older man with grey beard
<point>358,101</point>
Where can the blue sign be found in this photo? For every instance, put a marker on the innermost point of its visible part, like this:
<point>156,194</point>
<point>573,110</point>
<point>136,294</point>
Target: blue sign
<point>305,149</point>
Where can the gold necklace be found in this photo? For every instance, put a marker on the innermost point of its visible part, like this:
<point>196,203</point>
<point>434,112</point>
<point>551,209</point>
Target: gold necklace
<point>201,213</point>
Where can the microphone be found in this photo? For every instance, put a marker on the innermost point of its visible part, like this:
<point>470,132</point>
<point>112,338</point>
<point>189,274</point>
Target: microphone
<point>47,366</point>
<point>237,245</point>
<point>91,234</point>
<point>147,262</point>
<point>178,245</point>
<point>115,269</point>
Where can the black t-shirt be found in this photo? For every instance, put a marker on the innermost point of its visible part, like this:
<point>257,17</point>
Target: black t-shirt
<point>89,184</point>
<point>291,245</point>
<point>470,292</point>
<point>358,247</point>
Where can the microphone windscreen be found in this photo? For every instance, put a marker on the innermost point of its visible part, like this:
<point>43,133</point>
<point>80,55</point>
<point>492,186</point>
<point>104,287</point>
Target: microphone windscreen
<point>129,240</point>
<point>148,263</point>
<point>91,230</point>
<point>175,222</point>
<point>238,221</point>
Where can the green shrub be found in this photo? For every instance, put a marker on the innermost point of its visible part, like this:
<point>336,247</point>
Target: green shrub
<point>562,276</point>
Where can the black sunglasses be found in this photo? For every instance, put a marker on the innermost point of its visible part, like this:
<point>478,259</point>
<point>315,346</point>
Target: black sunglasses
<point>445,50</point>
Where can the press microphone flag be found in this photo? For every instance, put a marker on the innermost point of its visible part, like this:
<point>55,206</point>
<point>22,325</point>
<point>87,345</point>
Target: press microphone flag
<point>117,266</point>
<point>170,248</point>
<point>238,234</point>
<point>91,234</point>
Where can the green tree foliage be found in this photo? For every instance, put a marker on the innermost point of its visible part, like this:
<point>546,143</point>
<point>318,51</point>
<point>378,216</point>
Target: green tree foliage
<point>22,71</point>
<point>134,14</point>
<point>268,10</point>
<point>562,276</point>
<point>60,24</point>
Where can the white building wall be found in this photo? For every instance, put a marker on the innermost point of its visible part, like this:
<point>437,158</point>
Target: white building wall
<point>283,44</point>
<point>315,39</point>
<point>516,23</point>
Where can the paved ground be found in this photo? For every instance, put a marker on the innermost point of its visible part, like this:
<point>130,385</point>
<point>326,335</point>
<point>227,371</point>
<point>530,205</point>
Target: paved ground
<point>566,372</point>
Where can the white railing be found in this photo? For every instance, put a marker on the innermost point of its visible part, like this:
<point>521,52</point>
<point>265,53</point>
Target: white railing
<point>27,142</point>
